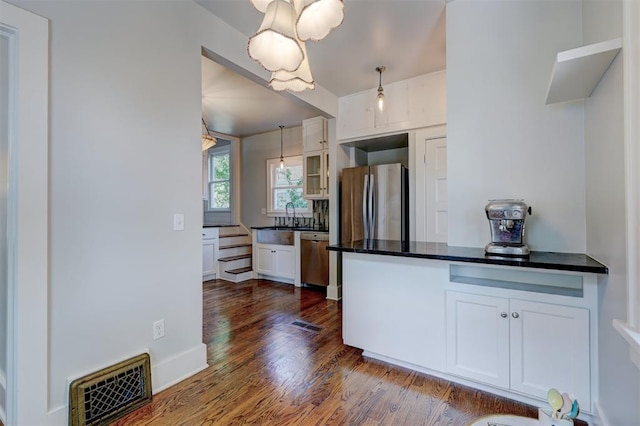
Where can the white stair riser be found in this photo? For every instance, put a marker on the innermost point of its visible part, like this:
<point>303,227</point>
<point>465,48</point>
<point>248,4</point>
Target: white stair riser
<point>236,278</point>
<point>227,252</point>
<point>235,264</point>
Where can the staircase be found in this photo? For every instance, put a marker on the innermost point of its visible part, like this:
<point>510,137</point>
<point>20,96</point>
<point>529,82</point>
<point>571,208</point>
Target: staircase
<point>234,254</point>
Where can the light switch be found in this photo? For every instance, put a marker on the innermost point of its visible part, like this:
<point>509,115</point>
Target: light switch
<point>263,210</point>
<point>178,222</point>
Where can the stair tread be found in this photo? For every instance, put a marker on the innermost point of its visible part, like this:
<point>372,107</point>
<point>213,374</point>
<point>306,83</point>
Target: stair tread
<point>235,246</point>
<point>240,270</point>
<point>238,257</point>
<point>233,235</point>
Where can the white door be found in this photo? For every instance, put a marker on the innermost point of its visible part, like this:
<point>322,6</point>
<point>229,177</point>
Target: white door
<point>284,262</point>
<point>24,87</point>
<point>436,184</point>
<point>550,349</point>
<point>431,200</point>
<point>478,338</point>
<point>264,259</point>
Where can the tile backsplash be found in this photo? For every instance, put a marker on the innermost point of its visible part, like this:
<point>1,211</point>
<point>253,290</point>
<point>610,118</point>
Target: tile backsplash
<point>319,220</point>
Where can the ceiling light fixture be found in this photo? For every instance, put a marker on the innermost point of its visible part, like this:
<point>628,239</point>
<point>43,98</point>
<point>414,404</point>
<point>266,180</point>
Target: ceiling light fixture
<point>207,140</point>
<point>381,112</point>
<point>279,43</point>
<point>297,81</point>
<point>316,18</point>
<point>275,46</point>
<point>281,156</point>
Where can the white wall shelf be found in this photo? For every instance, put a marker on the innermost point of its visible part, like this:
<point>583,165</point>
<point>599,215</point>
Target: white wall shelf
<point>577,72</point>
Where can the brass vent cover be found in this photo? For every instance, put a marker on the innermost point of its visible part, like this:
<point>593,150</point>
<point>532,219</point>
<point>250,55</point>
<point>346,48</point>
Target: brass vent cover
<point>103,396</point>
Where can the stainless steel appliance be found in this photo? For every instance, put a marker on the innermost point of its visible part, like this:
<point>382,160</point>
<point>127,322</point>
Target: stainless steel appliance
<point>506,219</point>
<point>314,258</point>
<point>374,203</point>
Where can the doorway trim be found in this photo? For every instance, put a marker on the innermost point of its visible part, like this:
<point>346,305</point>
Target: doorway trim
<point>27,328</point>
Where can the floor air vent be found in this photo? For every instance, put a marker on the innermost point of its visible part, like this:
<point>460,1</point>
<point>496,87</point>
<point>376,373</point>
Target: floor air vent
<point>103,396</point>
<point>306,326</point>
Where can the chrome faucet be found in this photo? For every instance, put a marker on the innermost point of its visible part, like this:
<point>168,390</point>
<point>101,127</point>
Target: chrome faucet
<point>286,210</point>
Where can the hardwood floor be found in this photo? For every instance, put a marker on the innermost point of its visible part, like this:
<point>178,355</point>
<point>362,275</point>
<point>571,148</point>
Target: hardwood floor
<point>266,370</point>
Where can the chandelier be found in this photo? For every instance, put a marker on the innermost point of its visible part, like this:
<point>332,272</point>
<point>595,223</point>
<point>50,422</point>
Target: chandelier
<point>279,44</point>
<point>207,140</point>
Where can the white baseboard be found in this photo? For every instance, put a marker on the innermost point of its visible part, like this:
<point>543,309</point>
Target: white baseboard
<point>176,369</point>
<point>3,397</point>
<point>163,375</point>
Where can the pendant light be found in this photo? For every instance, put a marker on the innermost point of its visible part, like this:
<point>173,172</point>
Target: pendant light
<point>381,111</point>
<point>281,156</point>
<point>207,140</point>
<point>316,18</point>
<point>275,45</point>
<point>296,81</point>
<point>279,43</point>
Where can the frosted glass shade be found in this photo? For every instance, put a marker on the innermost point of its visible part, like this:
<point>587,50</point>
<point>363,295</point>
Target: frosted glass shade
<point>316,18</point>
<point>275,45</point>
<point>261,5</point>
<point>296,81</point>
<point>380,116</point>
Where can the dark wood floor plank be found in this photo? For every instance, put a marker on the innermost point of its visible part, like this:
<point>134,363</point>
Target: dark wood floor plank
<point>265,370</point>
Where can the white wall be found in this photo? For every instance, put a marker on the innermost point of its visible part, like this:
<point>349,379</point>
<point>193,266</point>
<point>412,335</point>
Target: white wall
<point>503,141</point>
<point>605,207</point>
<point>125,155</point>
<point>256,150</point>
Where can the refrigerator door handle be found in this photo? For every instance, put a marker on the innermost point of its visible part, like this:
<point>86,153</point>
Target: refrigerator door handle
<point>365,215</point>
<point>372,211</point>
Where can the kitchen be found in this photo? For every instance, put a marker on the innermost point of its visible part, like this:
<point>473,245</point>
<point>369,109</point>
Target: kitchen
<point>574,183</point>
<point>563,137</point>
<point>468,196</point>
<point>350,134</point>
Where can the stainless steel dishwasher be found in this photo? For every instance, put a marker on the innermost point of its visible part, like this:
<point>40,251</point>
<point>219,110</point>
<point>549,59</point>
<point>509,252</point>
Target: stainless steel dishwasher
<point>314,258</point>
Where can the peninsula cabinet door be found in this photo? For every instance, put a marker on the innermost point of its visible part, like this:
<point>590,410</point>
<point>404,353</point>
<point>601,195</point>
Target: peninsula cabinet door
<point>550,349</point>
<point>478,338</point>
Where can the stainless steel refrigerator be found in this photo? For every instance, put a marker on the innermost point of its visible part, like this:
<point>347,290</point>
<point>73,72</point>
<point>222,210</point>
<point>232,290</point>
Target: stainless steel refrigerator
<point>374,203</point>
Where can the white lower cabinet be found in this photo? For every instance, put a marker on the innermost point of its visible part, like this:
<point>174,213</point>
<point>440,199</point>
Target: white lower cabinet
<point>275,260</point>
<point>209,253</point>
<point>524,346</point>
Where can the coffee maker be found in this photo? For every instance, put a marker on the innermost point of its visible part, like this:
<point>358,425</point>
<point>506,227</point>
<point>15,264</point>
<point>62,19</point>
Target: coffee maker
<point>506,219</point>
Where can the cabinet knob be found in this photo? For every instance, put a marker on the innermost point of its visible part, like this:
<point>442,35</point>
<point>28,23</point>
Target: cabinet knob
<point>504,315</point>
<point>515,315</point>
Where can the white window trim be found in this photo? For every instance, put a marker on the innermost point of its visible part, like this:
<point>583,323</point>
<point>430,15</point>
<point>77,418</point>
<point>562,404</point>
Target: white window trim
<point>630,329</point>
<point>275,162</point>
<point>218,151</point>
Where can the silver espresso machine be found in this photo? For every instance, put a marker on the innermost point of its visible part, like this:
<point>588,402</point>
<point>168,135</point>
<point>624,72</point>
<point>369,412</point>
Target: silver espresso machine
<point>506,219</point>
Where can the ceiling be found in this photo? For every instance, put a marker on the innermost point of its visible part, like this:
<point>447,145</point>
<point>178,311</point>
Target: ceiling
<point>406,36</point>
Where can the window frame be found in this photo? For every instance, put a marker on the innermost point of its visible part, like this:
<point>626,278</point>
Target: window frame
<point>273,164</point>
<point>215,152</point>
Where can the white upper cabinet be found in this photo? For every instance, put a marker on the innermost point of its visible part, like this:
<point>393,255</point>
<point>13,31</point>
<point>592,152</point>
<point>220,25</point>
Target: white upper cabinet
<point>410,104</point>
<point>314,134</point>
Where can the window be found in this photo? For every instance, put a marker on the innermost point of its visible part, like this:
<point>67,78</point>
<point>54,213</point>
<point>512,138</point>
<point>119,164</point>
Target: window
<point>285,186</point>
<point>219,166</point>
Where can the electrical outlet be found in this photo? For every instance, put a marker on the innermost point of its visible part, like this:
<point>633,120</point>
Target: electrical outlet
<point>158,329</point>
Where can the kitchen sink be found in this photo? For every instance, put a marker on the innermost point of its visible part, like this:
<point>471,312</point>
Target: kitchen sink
<point>280,235</point>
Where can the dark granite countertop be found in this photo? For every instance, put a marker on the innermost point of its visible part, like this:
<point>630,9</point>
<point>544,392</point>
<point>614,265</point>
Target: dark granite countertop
<point>576,262</point>
<point>292,228</point>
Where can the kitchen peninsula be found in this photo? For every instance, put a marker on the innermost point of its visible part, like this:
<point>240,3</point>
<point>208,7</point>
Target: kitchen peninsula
<point>512,326</point>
